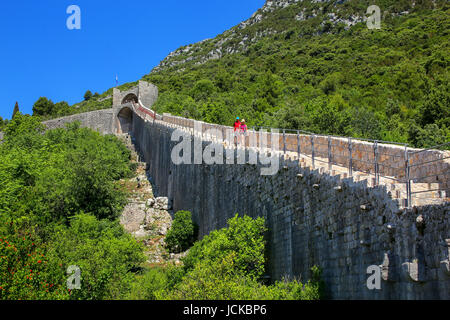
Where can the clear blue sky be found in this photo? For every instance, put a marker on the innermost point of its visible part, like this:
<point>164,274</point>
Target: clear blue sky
<point>39,56</point>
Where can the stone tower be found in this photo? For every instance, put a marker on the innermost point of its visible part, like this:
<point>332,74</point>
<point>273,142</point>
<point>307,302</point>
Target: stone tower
<point>144,92</point>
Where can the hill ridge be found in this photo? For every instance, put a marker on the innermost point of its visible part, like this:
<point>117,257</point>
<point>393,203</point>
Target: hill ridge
<point>332,11</point>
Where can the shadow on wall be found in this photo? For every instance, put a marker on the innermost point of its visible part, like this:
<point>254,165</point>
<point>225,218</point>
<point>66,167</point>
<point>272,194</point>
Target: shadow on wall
<point>125,121</point>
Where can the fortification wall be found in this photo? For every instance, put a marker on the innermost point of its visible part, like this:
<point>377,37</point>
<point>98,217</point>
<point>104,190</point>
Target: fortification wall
<point>313,219</point>
<point>102,121</point>
<point>390,158</point>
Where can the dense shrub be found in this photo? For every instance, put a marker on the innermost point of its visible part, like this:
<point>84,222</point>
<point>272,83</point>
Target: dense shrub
<point>59,203</point>
<point>103,251</point>
<point>228,264</point>
<point>181,235</point>
<point>243,238</point>
<point>62,172</point>
<point>149,285</point>
<point>26,271</point>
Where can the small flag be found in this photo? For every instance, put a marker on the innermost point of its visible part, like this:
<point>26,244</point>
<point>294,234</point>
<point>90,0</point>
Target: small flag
<point>117,80</point>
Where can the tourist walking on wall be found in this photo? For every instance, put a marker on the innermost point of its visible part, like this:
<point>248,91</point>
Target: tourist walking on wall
<point>237,124</point>
<point>243,127</point>
<point>243,131</point>
<point>237,128</point>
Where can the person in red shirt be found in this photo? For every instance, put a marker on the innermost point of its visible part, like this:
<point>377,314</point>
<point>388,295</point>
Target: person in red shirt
<point>237,125</point>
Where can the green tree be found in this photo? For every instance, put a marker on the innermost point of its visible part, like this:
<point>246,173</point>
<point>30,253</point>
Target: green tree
<point>61,108</point>
<point>429,136</point>
<point>88,184</point>
<point>329,116</point>
<point>103,251</point>
<point>203,89</point>
<point>365,124</point>
<point>216,280</point>
<point>181,235</point>
<point>226,265</point>
<point>399,70</point>
<point>244,238</point>
<point>88,95</point>
<point>436,107</point>
<point>16,109</point>
<point>220,281</point>
<point>224,80</point>
<point>23,132</point>
<point>43,107</point>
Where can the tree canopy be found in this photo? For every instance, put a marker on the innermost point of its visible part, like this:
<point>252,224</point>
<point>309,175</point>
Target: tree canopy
<point>88,95</point>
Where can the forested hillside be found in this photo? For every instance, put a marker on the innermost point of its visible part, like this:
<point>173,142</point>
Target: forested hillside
<point>313,65</point>
<point>315,71</point>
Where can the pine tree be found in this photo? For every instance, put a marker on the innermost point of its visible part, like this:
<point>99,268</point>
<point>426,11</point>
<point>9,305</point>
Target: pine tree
<point>16,109</point>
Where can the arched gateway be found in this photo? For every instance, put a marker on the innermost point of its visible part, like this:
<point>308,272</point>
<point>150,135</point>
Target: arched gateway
<point>131,97</point>
<point>125,120</point>
<point>125,102</point>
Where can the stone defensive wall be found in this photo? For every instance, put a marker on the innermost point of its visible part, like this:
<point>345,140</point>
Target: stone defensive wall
<point>313,218</point>
<point>375,159</point>
<point>320,212</point>
<point>101,121</point>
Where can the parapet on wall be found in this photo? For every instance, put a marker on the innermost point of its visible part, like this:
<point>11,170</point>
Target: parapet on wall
<point>428,169</point>
<point>313,219</point>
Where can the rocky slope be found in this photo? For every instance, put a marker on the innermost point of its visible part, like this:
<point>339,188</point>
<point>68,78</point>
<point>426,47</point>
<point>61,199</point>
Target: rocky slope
<point>147,217</point>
